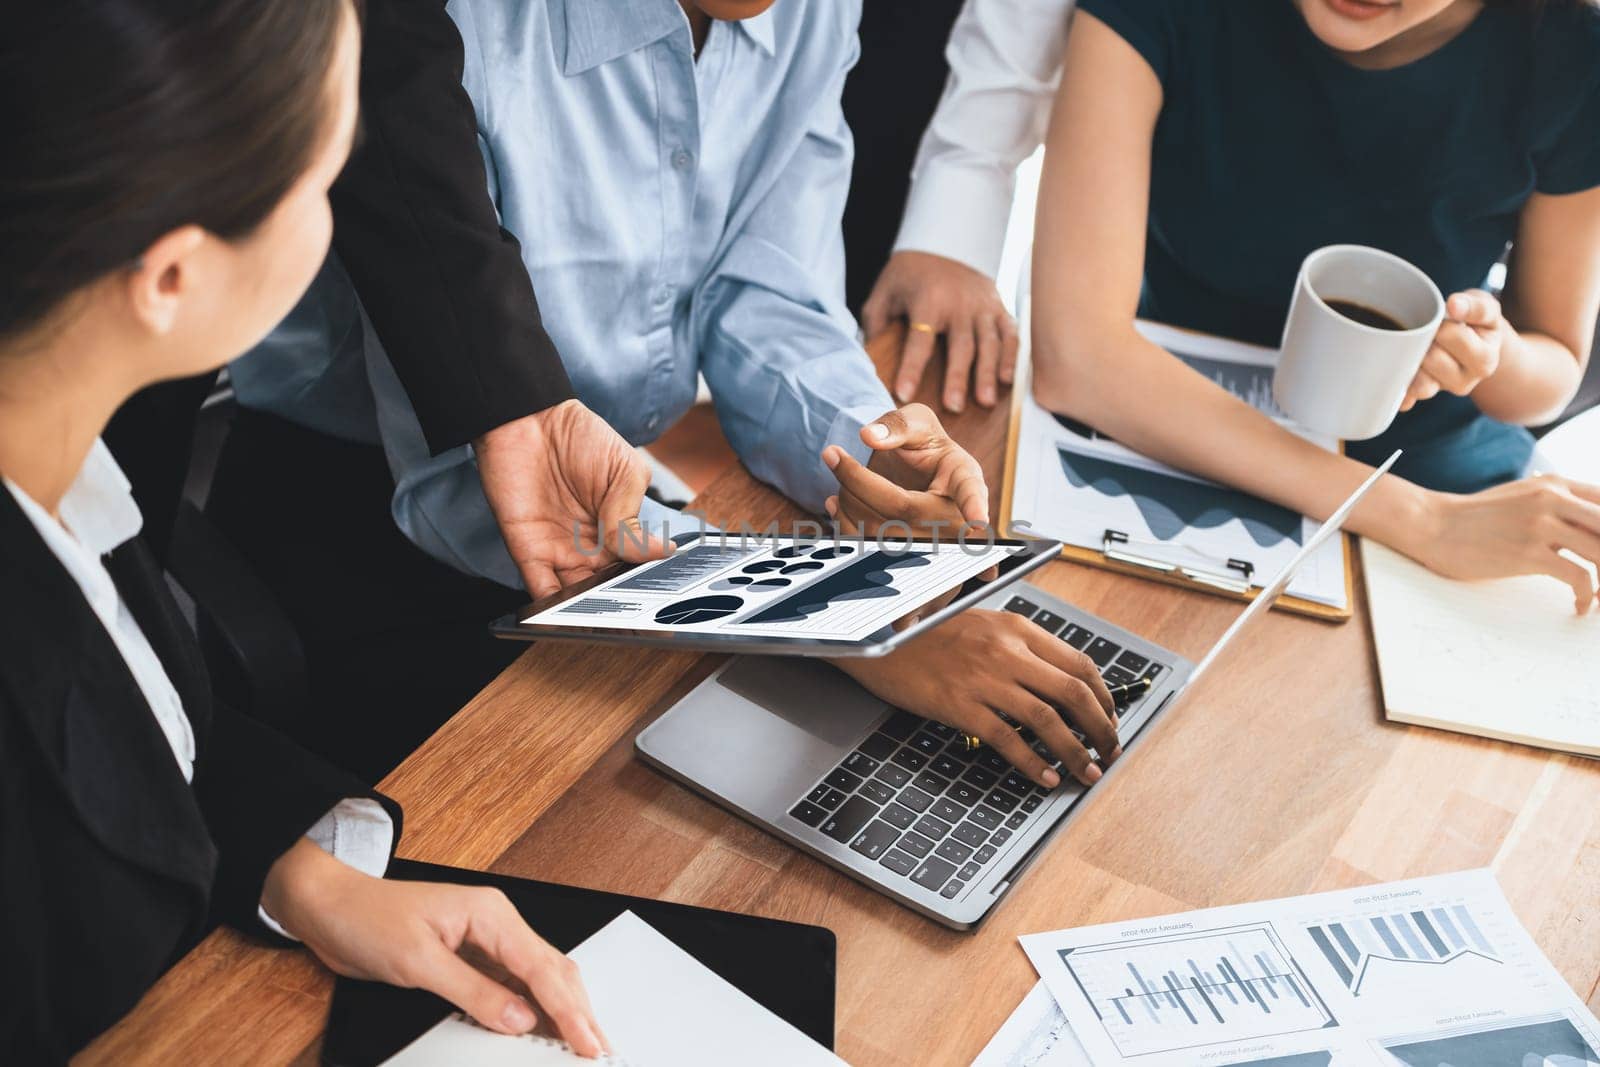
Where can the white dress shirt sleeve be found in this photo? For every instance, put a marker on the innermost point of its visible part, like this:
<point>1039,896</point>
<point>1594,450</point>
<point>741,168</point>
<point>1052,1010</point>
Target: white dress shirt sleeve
<point>357,832</point>
<point>1005,63</point>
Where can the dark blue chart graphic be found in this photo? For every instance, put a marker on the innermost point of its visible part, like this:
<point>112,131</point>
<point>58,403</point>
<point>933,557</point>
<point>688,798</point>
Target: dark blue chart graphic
<point>599,605</point>
<point>1372,949</point>
<point>869,578</point>
<point>698,609</point>
<point>1250,382</point>
<point>681,570</point>
<point>1548,1043</point>
<point>830,553</point>
<point>1186,991</point>
<point>1170,504</point>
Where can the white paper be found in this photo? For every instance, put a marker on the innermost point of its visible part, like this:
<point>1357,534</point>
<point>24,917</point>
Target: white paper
<point>458,1041</point>
<point>1507,658</point>
<point>658,1006</point>
<point>1074,487</point>
<point>839,590</point>
<point>1417,973</point>
<point>1036,1035</point>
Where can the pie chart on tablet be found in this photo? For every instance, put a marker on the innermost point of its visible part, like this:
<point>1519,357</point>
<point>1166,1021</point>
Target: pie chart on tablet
<point>698,609</point>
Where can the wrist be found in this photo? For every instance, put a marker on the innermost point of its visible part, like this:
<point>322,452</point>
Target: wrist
<point>518,433</point>
<point>1403,515</point>
<point>300,883</point>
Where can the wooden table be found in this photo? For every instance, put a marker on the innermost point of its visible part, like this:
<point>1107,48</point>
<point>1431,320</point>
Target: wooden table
<point>1286,780</point>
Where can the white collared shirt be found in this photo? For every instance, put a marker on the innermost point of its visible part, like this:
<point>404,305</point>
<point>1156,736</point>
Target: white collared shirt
<point>98,513</point>
<point>1005,62</point>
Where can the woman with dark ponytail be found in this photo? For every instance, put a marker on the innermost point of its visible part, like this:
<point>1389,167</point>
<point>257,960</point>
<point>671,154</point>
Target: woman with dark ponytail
<point>163,203</point>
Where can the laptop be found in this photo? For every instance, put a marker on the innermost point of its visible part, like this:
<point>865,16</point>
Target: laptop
<point>897,801</point>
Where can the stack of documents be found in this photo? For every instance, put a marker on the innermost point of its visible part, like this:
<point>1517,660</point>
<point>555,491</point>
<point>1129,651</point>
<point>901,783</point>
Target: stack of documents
<point>1417,973</point>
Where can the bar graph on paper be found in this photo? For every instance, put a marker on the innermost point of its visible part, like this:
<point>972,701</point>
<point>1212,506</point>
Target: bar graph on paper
<point>1374,953</point>
<point>1183,991</point>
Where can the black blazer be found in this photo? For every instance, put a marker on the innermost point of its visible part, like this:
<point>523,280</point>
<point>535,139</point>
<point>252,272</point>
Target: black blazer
<point>444,285</point>
<point>111,865</point>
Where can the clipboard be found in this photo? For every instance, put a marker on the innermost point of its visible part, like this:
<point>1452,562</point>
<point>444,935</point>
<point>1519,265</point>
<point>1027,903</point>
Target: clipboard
<point>1124,554</point>
<point>788,968</point>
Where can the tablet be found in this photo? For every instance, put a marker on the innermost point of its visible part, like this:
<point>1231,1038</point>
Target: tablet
<point>788,968</point>
<point>782,595</point>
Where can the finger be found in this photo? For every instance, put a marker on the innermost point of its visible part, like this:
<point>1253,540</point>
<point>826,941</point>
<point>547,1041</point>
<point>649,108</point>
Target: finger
<point>539,579</point>
<point>1583,491</point>
<point>958,351</point>
<point>1004,740</point>
<point>1577,576</point>
<point>1469,350</point>
<point>1423,387</point>
<point>1473,307</point>
<point>1079,703</point>
<point>1577,510</point>
<point>1046,722</point>
<point>619,517</point>
<point>908,426</point>
<point>984,376</point>
<point>968,488</point>
<point>489,1002</point>
<point>1069,660</point>
<point>1441,365</point>
<point>879,494</point>
<point>914,356</point>
<point>552,978</point>
<point>875,313</point>
<point>1010,343</point>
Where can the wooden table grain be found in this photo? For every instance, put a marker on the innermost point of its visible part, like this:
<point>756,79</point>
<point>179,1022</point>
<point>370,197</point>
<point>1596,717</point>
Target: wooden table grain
<point>1284,780</point>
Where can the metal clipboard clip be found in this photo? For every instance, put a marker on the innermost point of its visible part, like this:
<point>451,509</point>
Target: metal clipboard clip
<point>1232,576</point>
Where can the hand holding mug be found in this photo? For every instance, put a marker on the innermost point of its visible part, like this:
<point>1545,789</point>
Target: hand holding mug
<point>1465,351</point>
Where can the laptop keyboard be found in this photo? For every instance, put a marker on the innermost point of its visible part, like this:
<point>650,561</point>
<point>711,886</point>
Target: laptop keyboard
<point>913,797</point>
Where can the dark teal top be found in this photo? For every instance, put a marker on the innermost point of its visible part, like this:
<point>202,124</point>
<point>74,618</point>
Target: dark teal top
<point>1269,146</point>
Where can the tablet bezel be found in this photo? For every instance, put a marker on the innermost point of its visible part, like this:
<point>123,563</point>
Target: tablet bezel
<point>1027,556</point>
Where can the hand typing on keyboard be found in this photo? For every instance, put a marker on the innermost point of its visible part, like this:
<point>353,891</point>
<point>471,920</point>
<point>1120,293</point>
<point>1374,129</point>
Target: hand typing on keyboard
<point>969,671</point>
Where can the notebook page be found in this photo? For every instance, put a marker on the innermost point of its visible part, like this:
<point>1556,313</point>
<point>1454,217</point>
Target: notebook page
<point>1505,658</point>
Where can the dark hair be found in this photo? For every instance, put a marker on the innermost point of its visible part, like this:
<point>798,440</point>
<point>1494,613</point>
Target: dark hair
<point>122,120</point>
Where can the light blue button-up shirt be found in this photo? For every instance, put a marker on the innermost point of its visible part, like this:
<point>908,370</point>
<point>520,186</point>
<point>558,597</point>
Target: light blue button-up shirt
<point>678,217</point>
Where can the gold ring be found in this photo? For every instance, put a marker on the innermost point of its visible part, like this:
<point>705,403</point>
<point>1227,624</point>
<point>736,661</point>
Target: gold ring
<point>923,327</point>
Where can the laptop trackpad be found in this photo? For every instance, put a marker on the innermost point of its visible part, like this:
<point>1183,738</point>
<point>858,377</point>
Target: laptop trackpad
<point>816,697</point>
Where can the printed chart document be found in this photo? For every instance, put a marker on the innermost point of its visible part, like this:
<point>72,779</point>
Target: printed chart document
<point>1073,484</point>
<point>1507,658</point>
<point>658,1005</point>
<point>1418,973</point>
<point>826,589</point>
<point>1036,1035</point>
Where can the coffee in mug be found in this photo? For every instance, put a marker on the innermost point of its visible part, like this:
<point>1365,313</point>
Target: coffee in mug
<point>1359,325</point>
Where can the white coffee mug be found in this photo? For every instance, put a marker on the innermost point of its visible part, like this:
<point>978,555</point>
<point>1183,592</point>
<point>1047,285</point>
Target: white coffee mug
<point>1343,377</point>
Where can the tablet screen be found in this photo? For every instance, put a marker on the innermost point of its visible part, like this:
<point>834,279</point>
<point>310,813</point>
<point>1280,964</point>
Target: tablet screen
<point>820,590</point>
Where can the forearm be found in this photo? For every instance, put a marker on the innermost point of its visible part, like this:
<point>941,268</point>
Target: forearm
<point>1217,436</point>
<point>1537,377</point>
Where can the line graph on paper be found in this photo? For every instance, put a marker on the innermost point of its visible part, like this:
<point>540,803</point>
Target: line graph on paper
<point>1183,991</point>
<point>1376,954</point>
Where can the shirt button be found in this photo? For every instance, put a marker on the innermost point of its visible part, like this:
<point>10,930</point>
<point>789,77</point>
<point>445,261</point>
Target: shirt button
<point>652,422</point>
<point>681,159</point>
<point>664,296</point>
